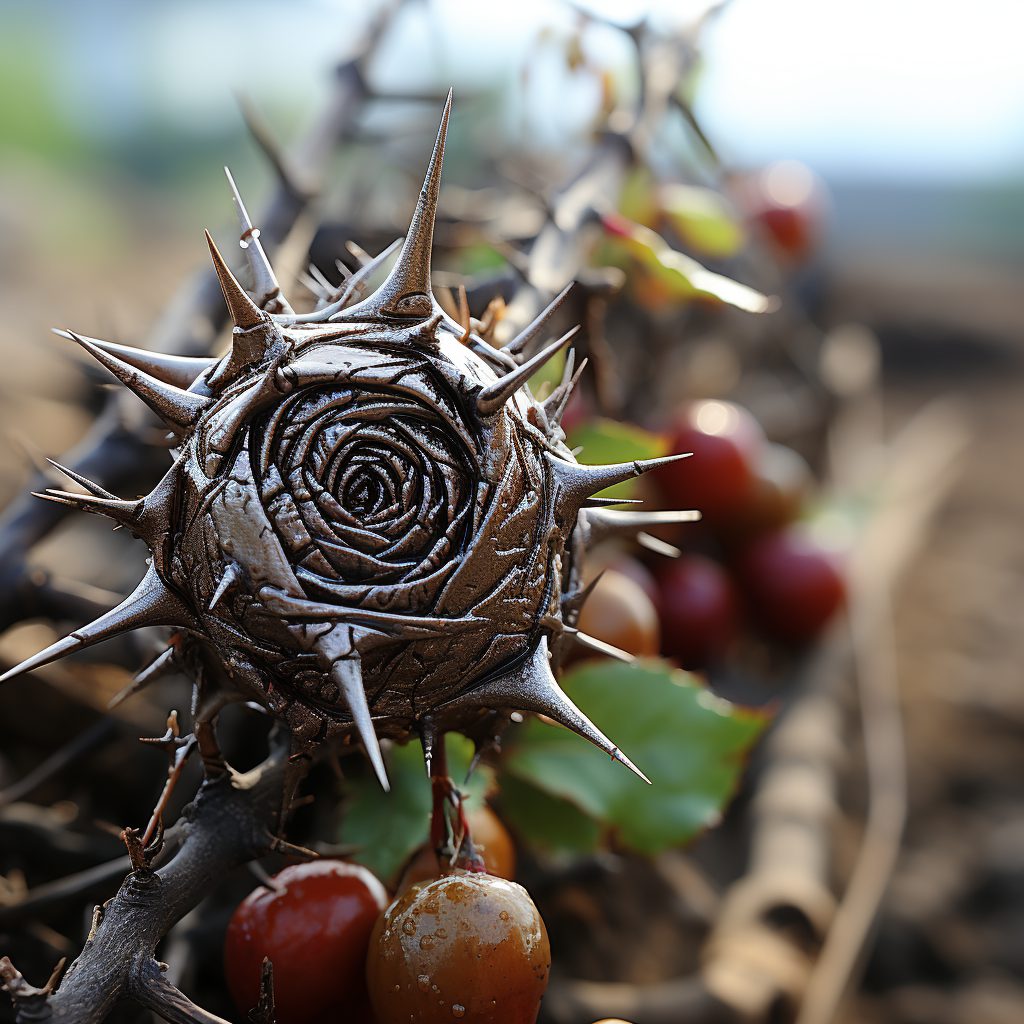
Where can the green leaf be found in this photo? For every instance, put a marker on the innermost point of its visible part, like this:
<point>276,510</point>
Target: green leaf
<point>687,278</point>
<point>604,441</point>
<point>638,198</point>
<point>477,258</point>
<point>386,828</point>
<point>691,744</point>
<point>546,822</point>
<point>703,219</point>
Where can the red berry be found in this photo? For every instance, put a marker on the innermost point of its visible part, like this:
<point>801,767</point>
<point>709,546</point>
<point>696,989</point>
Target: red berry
<point>792,584</point>
<point>726,444</point>
<point>315,928</point>
<point>699,611</point>
<point>782,483</point>
<point>618,612</point>
<point>466,947</point>
<point>789,202</point>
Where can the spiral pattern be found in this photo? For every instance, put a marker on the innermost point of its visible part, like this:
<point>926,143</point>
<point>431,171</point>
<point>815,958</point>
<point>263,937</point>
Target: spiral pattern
<point>364,486</point>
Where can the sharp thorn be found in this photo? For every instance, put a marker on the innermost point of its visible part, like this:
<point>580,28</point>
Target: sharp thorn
<point>124,513</point>
<point>610,502</point>
<point>346,673</point>
<point>181,371</point>
<point>150,604</point>
<point>531,686</point>
<point>658,546</point>
<point>265,285</point>
<point>244,313</point>
<point>179,409</point>
<point>608,522</point>
<point>231,576</point>
<point>90,485</point>
<point>493,397</point>
<point>599,646</point>
<point>577,482</point>
<point>555,405</point>
<point>406,292</point>
<point>522,341</point>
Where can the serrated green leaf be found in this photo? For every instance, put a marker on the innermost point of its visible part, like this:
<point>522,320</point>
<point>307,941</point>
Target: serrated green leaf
<point>546,822</point>
<point>385,828</point>
<point>703,219</point>
<point>604,441</point>
<point>691,744</point>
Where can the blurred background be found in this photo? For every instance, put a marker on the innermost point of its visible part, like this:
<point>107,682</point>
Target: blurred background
<point>895,130</point>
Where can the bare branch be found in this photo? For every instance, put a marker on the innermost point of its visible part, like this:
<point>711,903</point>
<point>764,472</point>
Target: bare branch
<point>153,990</point>
<point>228,824</point>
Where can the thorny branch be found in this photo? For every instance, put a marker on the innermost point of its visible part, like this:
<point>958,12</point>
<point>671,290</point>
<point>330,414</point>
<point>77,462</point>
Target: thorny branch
<point>231,820</point>
<point>228,824</point>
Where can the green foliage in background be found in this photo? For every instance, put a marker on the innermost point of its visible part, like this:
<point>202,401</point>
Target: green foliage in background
<point>386,828</point>
<point>603,441</point>
<point>692,746</point>
<point>561,794</point>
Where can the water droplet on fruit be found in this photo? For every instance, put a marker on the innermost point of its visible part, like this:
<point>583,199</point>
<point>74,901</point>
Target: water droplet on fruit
<point>504,915</point>
<point>427,942</point>
<point>457,891</point>
<point>458,1010</point>
<point>424,982</point>
<point>441,933</point>
<point>409,926</point>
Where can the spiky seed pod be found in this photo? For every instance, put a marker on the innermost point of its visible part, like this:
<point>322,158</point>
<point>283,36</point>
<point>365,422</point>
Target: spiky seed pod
<point>368,522</point>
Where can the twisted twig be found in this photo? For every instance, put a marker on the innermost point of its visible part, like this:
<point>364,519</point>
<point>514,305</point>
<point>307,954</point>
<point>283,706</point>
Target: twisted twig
<point>227,824</point>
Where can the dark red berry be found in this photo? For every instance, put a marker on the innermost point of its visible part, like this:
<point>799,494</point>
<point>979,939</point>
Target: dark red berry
<point>792,585</point>
<point>726,443</point>
<point>315,927</point>
<point>699,611</point>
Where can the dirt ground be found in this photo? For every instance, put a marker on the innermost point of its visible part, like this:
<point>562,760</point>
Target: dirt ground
<point>950,942</point>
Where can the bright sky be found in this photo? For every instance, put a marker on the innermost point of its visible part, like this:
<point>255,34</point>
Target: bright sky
<point>877,88</point>
<point>922,88</point>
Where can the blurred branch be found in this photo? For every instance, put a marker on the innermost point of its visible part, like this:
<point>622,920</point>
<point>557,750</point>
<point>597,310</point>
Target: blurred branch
<point>58,760</point>
<point>918,478</point>
<point>36,902</point>
<point>114,450</point>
